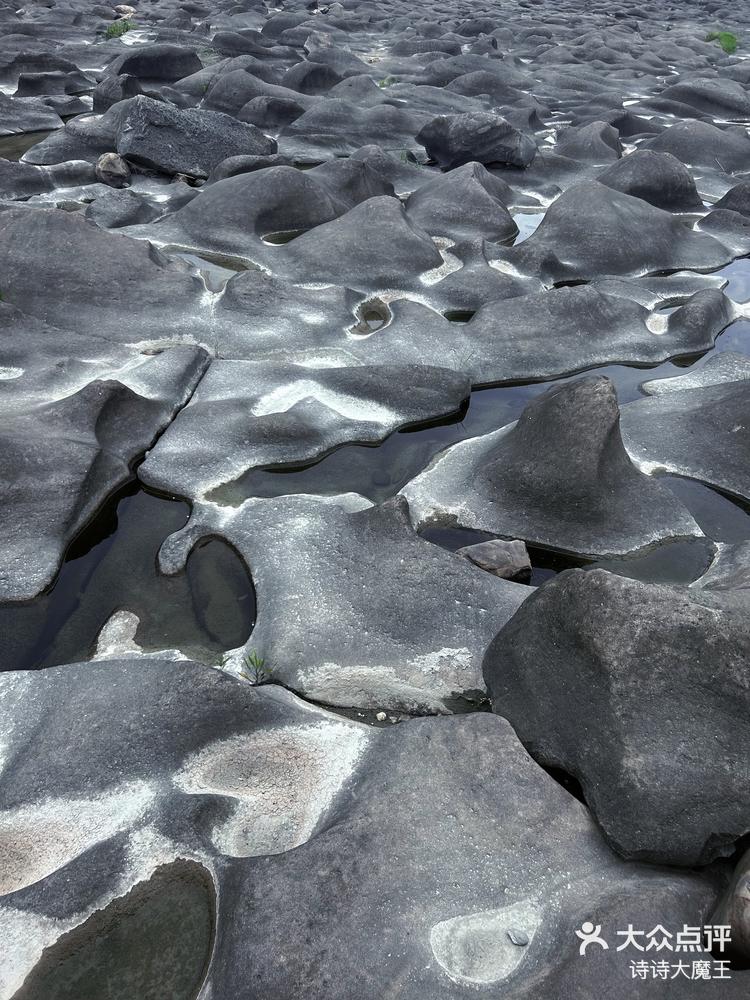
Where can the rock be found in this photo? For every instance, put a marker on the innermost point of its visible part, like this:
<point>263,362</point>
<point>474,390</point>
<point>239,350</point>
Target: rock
<point>61,460</point>
<point>733,910</point>
<point>156,62</point>
<point>136,830</point>
<point>702,433</point>
<point>248,414</point>
<point>113,89</point>
<point>111,169</point>
<point>718,368</point>
<point>152,134</point>
<point>597,142</point>
<point>559,477</point>
<point>409,637</point>
<point>115,209</point>
<point>701,144</point>
<point>453,140</point>
<point>233,215</point>
<point>668,671</point>
<point>592,231</point>
<point>24,180</point>
<point>462,204</point>
<point>737,199</point>
<point>721,98</point>
<point>508,560</point>
<point>658,178</point>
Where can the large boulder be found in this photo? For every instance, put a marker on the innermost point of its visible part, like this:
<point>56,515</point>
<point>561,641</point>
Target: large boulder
<point>641,692</point>
<point>658,178</point>
<point>559,477</point>
<point>193,142</point>
<point>452,140</point>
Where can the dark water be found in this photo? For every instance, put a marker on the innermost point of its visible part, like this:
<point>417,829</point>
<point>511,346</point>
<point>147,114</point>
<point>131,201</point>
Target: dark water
<point>153,943</point>
<point>111,566</point>
<point>12,147</point>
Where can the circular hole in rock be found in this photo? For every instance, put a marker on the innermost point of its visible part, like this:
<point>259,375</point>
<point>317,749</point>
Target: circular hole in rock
<point>373,314</point>
<point>152,943</point>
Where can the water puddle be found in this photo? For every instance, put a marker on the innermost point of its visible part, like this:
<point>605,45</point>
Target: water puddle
<point>154,942</point>
<point>12,147</point>
<point>111,566</point>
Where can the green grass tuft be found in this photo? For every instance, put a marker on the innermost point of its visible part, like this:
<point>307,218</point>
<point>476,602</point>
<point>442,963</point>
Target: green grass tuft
<point>726,39</point>
<point>118,28</point>
<point>256,670</point>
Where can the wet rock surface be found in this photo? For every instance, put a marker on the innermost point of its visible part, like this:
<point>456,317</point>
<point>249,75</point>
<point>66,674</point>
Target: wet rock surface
<point>253,796</point>
<point>392,358</point>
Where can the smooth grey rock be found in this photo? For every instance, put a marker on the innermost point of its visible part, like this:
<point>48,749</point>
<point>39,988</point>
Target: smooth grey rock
<point>112,823</point>
<point>24,180</point>
<point>559,477</point>
<point>722,98</point>
<point>156,62</point>
<point>701,433</point>
<point>701,144</point>
<point>453,140</point>
<point>373,247</point>
<point>593,231</point>
<point>462,204</point>
<point>508,560</point>
<point>729,571</point>
<point>61,460</point>
<point>246,414</point>
<point>408,635</point>
<point>597,142</point>
<point>641,692</point>
<point>718,368</point>
<point>658,178</point>
<point>737,199</point>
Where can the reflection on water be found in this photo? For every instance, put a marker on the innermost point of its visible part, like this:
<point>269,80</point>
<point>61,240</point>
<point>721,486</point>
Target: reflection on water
<point>111,566</point>
<point>153,943</point>
<point>12,147</point>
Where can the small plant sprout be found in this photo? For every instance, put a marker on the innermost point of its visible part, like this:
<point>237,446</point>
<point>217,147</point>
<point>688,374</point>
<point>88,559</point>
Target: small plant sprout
<point>255,669</point>
<point>726,39</point>
<point>118,29</point>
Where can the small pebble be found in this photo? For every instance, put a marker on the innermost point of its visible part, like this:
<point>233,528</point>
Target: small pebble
<point>518,937</point>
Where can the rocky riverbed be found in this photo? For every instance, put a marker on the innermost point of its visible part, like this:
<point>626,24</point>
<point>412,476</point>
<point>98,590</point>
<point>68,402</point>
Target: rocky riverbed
<point>375,500</point>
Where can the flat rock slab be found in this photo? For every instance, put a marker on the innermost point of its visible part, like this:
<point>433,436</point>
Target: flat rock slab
<point>246,414</point>
<point>353,608</point>
<point>667,669</point>
<point>559,477</point>
<point>702,433</point>
<point>250,798</point>
<point>60,461</point>
<point>718,369</point>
